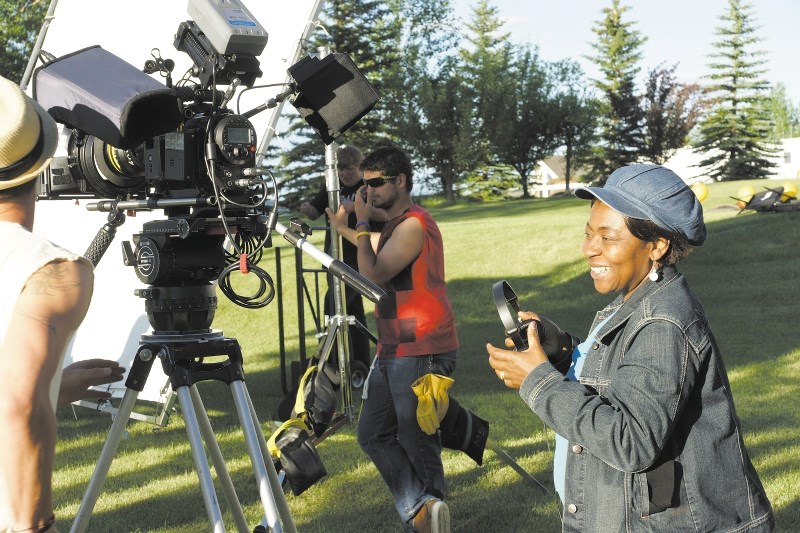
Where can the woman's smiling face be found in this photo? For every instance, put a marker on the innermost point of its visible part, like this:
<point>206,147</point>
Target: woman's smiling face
<point>618,261</point>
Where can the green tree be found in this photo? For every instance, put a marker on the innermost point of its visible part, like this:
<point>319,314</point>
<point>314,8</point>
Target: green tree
<point>21,21</point>
<point>440,122</point>
<point>734,135</point>
<point>486,61</point>
<point>385,40</point>
<point>489,182</point>
<point>528,115</point>
<point>427,32</point>
<point>671,110</point>
<point>450,96</point>
<point>365,30</point>
<point>785,115</point>
<point>618,53</point>
<point>578,112</point>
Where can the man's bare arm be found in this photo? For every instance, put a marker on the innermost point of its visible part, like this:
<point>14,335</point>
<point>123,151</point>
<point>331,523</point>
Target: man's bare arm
<point>47,313</point>
<point>400,250</point>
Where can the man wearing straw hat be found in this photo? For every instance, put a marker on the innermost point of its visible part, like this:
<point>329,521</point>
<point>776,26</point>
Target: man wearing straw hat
<point>45,295</point>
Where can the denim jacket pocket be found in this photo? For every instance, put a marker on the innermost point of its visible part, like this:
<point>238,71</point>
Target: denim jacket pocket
<point>663,486</point>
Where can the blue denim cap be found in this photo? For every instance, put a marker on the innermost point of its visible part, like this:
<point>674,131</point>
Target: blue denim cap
<point>652,192</point>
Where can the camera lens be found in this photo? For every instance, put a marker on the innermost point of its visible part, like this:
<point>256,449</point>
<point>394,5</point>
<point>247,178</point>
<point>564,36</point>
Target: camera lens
<point>108,171</point>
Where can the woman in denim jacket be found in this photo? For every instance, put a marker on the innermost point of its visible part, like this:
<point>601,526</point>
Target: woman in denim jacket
<point>648,438</point>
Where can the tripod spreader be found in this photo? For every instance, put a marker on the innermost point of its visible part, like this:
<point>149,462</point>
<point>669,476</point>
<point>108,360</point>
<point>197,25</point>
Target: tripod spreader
<point>183,362</point>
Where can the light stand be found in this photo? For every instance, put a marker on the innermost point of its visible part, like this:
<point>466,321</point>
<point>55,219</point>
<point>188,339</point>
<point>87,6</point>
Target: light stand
<point>338,323</point>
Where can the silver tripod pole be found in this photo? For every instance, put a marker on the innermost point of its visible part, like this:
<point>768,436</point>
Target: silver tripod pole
<point>339,317</point>
<point>104,462</point>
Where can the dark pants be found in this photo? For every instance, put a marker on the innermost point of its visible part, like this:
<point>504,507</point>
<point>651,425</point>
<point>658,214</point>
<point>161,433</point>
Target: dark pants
<point>408,459</point>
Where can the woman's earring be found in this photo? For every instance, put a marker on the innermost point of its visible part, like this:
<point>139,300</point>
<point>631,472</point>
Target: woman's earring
<point>655,273</point>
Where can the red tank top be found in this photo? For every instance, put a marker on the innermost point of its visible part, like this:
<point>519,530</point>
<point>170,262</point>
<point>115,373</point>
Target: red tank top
<point>416,317</point>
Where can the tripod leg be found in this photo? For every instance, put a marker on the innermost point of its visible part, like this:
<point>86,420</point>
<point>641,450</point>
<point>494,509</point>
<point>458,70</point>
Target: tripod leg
<point>256,457</point>
<point>200,461</point>
<point>219,462</point>
<point>104,461</point>
<point>274,481</point>
<point>337,333</point>
<point>501,453</point>
<point>343,351</point>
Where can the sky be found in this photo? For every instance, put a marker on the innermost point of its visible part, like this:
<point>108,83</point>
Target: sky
<point>679,31</point>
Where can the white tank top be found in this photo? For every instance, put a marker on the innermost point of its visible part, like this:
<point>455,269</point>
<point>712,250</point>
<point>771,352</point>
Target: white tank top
<point>22,253</point>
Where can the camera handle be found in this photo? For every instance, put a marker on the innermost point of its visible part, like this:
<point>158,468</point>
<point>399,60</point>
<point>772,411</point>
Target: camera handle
<point>105,235</point>
<point>337,267</point>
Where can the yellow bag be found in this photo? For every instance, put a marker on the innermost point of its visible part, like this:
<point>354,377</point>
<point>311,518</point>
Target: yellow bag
<point>432,400</point>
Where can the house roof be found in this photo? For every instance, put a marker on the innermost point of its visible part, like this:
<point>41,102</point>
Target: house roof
<point>557,164</point>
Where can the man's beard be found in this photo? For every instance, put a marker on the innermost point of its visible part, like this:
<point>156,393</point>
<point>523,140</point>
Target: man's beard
<point>383,203</point>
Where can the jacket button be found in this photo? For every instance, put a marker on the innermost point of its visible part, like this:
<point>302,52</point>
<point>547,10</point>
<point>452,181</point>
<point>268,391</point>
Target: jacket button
<point>595,346</point>
<point>572,508</point>
<point>577,448</point>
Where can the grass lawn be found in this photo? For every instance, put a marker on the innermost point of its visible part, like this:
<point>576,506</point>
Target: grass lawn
<point>746,274</point>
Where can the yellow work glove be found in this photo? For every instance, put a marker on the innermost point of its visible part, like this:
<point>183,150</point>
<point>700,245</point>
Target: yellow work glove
<point>439,386</point>
<point>432,400</point>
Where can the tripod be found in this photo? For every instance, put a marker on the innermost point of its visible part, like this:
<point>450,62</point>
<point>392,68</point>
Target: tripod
<point>181,358</point>
<point>180,304</point>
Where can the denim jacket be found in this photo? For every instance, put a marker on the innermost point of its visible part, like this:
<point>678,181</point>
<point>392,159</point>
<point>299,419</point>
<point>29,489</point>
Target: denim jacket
<point>654,440</point>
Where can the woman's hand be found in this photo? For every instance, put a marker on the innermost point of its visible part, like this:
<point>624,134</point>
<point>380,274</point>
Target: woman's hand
<point>513,367</point>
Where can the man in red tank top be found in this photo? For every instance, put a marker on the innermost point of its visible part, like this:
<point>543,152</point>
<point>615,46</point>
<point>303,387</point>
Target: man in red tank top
<point>416,336</point>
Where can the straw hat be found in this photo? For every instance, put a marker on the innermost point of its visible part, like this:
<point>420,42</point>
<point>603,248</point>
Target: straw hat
<point>28,136</point>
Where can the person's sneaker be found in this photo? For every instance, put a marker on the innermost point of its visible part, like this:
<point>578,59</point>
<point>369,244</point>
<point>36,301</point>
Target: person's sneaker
<point>432,517</point>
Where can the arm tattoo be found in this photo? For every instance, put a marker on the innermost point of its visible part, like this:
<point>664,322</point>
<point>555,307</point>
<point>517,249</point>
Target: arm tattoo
<point>48,281</point>
<point>51,279</point>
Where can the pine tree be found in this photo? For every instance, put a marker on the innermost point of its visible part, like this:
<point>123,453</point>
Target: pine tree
<point>486,63</point>
<point>621,116</point>
<point>734,135</point>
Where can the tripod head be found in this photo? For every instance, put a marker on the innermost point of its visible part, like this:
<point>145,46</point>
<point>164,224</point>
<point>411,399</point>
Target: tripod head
<point>178,258</point>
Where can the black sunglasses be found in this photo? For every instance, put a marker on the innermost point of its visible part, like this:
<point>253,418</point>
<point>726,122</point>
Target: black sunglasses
<point>380,181</point>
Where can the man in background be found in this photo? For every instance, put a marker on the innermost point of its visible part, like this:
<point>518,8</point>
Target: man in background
<point>416,336</point>
<point>348,159</point>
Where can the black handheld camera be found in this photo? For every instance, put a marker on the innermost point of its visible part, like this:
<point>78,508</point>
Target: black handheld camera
<point>517,329</point>
<point>557,344</point>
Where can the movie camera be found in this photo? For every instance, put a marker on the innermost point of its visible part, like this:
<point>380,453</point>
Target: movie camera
<point>130,136</point>
<point>557,344</point>
<point>135,143</point>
